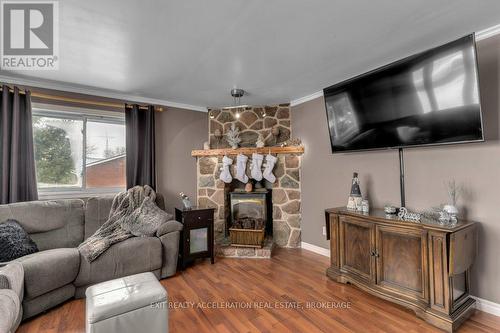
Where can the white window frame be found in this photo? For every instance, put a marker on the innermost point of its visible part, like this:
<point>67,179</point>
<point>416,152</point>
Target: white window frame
<point>77,113</point>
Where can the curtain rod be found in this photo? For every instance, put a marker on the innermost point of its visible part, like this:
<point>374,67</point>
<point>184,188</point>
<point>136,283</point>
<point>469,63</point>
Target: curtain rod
<point>83,101</point>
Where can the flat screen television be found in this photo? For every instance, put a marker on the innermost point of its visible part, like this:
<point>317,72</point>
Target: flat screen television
<point>430,98</point>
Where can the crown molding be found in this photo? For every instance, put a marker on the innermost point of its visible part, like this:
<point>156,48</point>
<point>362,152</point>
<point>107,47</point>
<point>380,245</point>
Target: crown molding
<point>487,33</point>
<point>98,92</point>
<point>307,98</point>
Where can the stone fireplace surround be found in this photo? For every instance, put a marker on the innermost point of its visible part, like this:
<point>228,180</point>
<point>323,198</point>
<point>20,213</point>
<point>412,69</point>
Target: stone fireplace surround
<point>286,195</point>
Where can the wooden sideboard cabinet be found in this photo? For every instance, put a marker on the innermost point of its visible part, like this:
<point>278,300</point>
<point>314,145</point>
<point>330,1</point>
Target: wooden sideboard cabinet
<point>423,266</point>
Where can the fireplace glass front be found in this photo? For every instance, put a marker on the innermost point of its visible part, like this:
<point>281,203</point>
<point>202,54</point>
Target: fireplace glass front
<point>250,211</point>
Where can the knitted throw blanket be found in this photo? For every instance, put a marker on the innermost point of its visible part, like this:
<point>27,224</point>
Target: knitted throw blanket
<point>133,213</point>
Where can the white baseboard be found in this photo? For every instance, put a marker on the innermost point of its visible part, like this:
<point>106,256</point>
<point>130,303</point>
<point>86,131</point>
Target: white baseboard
<point>481,304</point>
<point>487,306</point>
<point>315,249</point>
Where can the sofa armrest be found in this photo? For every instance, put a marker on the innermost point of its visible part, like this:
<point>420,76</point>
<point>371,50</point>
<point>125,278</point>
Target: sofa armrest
<point>10,310</point>
<point>170,251</point>
<point>12,277</point>
<point>169,227</point>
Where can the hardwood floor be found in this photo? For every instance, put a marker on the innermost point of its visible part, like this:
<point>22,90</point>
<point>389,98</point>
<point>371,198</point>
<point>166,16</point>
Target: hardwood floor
<point>290,276</point>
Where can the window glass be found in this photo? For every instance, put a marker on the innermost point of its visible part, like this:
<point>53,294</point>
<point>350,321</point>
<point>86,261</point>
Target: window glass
<point>105,154</point>
<point>78,152</point>
<point>58,151</point>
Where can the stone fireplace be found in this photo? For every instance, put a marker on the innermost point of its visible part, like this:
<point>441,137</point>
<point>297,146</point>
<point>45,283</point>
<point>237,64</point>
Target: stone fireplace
<point>284,193</point>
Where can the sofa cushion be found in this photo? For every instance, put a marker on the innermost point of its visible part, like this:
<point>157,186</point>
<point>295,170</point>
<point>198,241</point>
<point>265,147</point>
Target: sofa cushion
<point>37,305</point>
<point>51,224</point>
<point>96,213</point>
<point>14,241</point>
<point>131,256</point>
<point>48,270</point>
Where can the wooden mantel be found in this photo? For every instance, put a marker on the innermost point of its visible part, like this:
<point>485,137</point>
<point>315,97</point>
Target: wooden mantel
<point>248,151</point>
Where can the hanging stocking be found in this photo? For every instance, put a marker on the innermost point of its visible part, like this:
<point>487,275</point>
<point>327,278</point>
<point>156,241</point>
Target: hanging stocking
<point>225,175</point>
<point>255,166</point>
<point>268,168</point>
<point>241,168</point>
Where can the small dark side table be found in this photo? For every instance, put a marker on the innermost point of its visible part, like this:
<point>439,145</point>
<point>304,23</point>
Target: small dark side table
<point>197,239</point>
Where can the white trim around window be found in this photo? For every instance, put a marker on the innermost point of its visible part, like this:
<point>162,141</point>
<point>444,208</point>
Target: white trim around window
<point>84,114</point>
<point>74,194</point>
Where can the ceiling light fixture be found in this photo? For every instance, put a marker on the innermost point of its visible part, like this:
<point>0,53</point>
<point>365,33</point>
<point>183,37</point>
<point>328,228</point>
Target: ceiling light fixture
<point>237,94</point>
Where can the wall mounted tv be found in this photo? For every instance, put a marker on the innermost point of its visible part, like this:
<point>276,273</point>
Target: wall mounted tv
<point>430,98</point>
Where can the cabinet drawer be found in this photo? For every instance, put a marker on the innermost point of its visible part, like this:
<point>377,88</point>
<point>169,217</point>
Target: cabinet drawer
<point>198,217</point>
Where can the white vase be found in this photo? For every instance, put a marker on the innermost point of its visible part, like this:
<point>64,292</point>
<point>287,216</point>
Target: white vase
<point>450,209</point>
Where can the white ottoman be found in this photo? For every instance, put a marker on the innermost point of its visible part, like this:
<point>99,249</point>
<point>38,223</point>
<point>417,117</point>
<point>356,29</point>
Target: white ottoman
<point>136,303</point>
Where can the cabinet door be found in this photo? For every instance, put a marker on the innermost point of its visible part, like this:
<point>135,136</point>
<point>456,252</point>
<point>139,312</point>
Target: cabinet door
<point>402,261</point>
<point>356,247</point>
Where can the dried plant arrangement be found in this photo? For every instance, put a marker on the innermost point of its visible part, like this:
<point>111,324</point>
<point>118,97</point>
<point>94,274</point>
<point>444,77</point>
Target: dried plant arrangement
<point>454,192</point>
<point>233,136</point>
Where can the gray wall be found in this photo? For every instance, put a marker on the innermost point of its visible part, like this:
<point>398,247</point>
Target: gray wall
<point>178,131</point>
<point>326,177</point>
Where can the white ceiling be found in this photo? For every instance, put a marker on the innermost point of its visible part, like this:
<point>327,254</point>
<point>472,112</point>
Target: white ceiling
<point>195,51</point>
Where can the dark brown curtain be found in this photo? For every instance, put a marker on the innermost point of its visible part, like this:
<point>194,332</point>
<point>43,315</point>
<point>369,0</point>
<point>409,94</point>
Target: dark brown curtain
<point>17,164</point>
<point>140,129</point>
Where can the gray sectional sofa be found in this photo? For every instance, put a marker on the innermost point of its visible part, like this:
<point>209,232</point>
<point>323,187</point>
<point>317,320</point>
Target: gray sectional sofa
<point>11,295</point>
<point>57,272</point>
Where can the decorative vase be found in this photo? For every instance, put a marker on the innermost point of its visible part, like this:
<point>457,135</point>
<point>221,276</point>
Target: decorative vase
<point>185,201</point>
<point>451,210</point>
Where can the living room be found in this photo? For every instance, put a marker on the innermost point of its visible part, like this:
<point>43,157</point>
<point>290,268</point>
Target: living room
<point>232,166</point>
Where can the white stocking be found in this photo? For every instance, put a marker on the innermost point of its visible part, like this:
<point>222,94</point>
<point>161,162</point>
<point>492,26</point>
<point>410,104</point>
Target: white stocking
<point>255,166</point>
<point>241,168</point>
<point>225,175</point>
<point>268,168</point>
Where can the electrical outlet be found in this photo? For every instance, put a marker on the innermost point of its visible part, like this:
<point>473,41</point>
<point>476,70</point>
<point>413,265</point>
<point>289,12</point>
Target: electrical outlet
<point>324,231</point>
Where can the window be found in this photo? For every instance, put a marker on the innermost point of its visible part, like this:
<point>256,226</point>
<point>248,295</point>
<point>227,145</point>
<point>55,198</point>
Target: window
<point>78,152</point>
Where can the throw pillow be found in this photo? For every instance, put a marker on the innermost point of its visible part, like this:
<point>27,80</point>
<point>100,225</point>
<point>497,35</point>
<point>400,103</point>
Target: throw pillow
<point>14,241</point>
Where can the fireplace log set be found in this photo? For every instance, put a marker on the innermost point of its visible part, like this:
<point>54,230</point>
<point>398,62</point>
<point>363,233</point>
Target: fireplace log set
<point>247,222</point>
